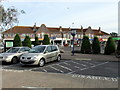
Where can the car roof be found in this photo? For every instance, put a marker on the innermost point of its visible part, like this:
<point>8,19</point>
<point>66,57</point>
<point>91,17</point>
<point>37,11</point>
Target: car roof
<point>46,45</point>
<point>17,47</point>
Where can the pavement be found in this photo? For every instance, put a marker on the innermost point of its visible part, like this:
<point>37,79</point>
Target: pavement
<point>29,79</point>
<point>98,57</point>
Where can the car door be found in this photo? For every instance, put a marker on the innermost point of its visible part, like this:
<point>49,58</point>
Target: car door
<point>48,54</point>
<point>54,52</point>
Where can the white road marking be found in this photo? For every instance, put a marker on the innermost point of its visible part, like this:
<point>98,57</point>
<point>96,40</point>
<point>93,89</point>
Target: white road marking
<point>44,70</point>
<point>75,62</point>
<point>36,88</point>
<point>88,67</point>
<point>9,70</point>
<point>65,67</point>
<point>83,65</point>
<point>95,77</point>
<point>88,63</point>
<point>66,63</point>
<point>7,66</point>
<point>57,69</point>
<point>55,64</point>
<point>76,67</point>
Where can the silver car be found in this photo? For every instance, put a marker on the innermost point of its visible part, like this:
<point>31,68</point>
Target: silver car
<point>41,54</point>
<point>13,54</point>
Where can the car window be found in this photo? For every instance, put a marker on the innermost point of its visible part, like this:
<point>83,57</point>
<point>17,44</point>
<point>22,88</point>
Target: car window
<point>22,50</point>
<point>13,50</point>
<point>37,49</point>
<point>27,49</point>
<point>54,48</point>
<point>49,49</point>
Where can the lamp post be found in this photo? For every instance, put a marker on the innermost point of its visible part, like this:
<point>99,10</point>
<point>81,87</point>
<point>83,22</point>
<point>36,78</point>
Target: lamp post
<point>61,36</point>
<point>73,33</point>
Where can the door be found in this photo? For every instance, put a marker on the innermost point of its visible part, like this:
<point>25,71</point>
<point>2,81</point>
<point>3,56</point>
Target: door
<point>48,54</point>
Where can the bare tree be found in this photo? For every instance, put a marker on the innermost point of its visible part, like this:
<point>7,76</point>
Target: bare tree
<point>9,17</point>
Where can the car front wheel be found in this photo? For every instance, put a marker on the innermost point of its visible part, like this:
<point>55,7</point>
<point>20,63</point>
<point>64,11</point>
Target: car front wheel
<point>14,60</point>
<point>41,63</point>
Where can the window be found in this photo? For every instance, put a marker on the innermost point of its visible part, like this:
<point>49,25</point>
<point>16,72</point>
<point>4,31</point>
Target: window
<point>49,49</point>
<point>54,48</point>
<point>37,49</point>
<point>27,49</point>
<point>22,50</point>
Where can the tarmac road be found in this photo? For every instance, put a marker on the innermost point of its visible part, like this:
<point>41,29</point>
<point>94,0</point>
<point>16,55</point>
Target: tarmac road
<point>64,74</point>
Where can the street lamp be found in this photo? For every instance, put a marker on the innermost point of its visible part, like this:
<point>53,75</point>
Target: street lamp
<point>73,33</point>
<point>61,36</point>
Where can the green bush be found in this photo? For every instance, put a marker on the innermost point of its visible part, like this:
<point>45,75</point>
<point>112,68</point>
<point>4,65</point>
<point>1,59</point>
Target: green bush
<point>118,47</point>
<point>27,41</point>
<point>86,47</point>
<point>46,40</point>
<point>17,41</point>
<point>95,46</point>
<point>110,46</point>
<point>36,41</point>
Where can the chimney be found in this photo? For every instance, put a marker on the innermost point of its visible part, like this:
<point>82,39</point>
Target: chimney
<point>34,28</point>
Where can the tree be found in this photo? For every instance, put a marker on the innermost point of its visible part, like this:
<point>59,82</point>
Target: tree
<point>113,34</point>
<point>27,41</point>
<point>86,47</point>
<point>36,41</point>
<point>9,17</point>
<point>96,46</point>
<point>46,40</point>
<point>110,46</point>
<point>17,41</point>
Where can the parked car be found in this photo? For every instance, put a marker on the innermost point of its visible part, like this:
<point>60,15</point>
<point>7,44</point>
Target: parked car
<point>41,54</point>
<point>13,54</point>
<point>1,47</point>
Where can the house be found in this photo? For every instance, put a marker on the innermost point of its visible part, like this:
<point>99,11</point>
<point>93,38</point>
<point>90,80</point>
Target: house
<point>56,34</point>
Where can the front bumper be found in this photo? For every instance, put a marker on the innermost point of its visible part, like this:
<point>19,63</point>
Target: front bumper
<point>31,62</point>
<point>6,59</point>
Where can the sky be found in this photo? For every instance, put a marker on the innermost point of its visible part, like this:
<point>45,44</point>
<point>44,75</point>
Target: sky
<point>55,13</point>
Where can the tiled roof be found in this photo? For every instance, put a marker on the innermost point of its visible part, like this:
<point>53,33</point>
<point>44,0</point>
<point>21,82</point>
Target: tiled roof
<point>20,29</point>
<point>29,30</point>
<point>99,32</point>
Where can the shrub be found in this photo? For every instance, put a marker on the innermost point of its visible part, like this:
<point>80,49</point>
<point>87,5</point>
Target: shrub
<point>27,42</point>
<point>17,41</point>
<point>118,47</point>
<point>46,40</point>
<point>95,46</point>
<point>36,41</point>
<point>86,47</point>
<point>110,46</point>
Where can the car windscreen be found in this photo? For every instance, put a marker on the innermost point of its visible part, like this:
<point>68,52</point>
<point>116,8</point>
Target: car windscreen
<point>13,50</point>
<point>37,49</point>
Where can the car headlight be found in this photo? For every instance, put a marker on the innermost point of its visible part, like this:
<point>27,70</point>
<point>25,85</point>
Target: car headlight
<point>34,57</point>
<point>8,57</point>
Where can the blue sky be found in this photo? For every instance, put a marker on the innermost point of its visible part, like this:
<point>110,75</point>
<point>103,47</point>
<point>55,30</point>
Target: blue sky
<point>55,13</point>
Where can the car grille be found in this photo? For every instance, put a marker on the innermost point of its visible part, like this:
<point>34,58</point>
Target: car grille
<point>29,62</point>
<point>28,57</point>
